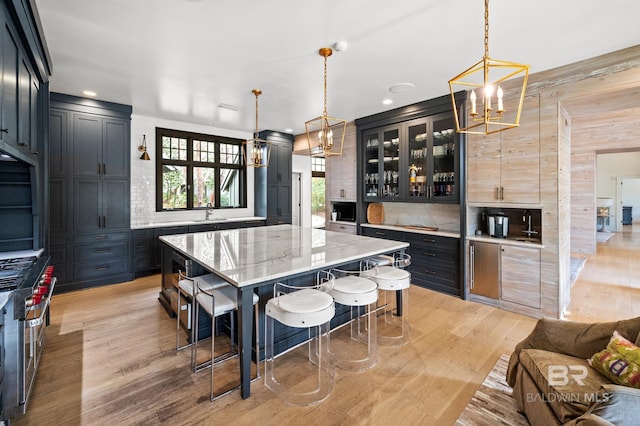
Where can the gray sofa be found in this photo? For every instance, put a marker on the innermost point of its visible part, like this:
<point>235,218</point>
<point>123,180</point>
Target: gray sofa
<point>563,400</point>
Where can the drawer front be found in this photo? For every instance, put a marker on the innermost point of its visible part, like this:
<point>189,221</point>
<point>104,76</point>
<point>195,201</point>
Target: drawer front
<point>446,272</point>
<point>339,227</point>
<point>100,251</point>
<point>253,223</point>
<point>98,238</point>
<point>433,256</point>
<point>383,233</point>
<point>433,242</point>
<point>139,234</point>
<point>171,230</point>
<point>436,281</point>
<point>86,270</point>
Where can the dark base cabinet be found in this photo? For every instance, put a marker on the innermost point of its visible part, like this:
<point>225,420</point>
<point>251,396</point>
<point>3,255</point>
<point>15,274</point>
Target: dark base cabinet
<point>435,260</point>
<point>147,250</point>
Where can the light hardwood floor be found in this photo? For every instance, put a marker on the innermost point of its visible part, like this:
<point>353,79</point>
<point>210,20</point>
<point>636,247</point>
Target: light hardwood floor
<point>608,287</point>
<point>110,359</point>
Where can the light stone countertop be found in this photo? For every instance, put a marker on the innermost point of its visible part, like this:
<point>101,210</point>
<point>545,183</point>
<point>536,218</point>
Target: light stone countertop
<point>250,256</point>
<point>403,228</point>
<point>194,222</point>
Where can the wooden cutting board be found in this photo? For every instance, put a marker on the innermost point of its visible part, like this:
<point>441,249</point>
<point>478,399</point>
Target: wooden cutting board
<point>375,213</point>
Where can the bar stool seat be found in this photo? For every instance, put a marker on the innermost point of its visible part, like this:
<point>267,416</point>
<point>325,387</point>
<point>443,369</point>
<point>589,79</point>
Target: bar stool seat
<point>357,350</point>
<point>393,283</point>
<point>216,302</point>
<point>390,278</point>
<point>311,379</point>
<point>186,286</point>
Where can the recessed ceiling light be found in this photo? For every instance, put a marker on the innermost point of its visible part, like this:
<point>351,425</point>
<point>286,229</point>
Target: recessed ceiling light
<point>387,101</point>
<point>89,93</point>
<point>288,130</point>
<point>401,87</point>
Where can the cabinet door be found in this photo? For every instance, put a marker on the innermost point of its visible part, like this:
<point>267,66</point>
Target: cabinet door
<point>9,86</point>
<point>521,275</point>
<point>443,169</point>
<point>483,168</point>
<point>115,149</point>
<point>87,205</point>
<point>371,141</point>
<point>391,178</point>
<point>87,147</point>
<point>484,263</point>
<point>520,167</point>
<point>418,152</point>
<point>115,203</point>
<point>24,105</point>
<point>34,114</point>
<point>57,143</point>
<point>58,212</point>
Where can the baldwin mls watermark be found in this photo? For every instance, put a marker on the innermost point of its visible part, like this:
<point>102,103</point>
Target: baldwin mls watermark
<point>566,375</point>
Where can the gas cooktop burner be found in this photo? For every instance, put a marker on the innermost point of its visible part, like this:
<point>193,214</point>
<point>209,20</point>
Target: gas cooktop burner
<point>12,271</point>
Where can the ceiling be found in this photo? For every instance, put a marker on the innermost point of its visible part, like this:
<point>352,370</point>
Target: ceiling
<point>180,59</point>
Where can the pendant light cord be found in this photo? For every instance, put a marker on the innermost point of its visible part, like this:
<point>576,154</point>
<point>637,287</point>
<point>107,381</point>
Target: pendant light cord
<point>324,111</point>
<point>486,28</point>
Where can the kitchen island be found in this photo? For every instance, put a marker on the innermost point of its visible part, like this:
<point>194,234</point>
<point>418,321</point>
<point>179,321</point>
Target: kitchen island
<point>251,258</point>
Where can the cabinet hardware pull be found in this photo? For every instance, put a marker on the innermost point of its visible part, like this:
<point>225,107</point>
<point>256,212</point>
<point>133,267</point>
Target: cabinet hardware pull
<point>102,268</point>
<point>104,168</point>
<point>4,130</point>
<point>472,272</point>
<point>428,240</point>
<point>101,237</point>
<point>103,251</point>
<point>104,221</point>
<point>342,193</point>
<point>22,143</point>
<point>502,193</point>
<point>380,233</point>
<point>430,272</point>
<point>497,193</point>
<point>430,254</point>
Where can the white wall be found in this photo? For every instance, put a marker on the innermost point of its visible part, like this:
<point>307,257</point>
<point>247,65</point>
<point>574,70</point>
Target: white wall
<point>610,167</point>
<point>302,164</point>
<point>143,173</point>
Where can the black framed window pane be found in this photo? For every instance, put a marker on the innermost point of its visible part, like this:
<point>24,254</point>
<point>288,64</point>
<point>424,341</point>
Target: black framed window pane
<point>174,187</point>
<point>230,188</point>
<point>204,186</point>
<point>229,154</point>
<point>204,151</point>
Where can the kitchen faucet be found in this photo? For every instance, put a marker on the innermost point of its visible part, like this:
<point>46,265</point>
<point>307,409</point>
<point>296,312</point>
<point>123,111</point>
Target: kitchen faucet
<point>209,212</point>
<point>526,217</point>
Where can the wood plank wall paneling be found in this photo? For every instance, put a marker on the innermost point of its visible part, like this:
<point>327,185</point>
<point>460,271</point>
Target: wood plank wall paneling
<point>564,206</point>
<point>568,87</point>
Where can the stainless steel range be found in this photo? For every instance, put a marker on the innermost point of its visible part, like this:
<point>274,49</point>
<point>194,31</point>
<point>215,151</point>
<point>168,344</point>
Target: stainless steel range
<point>27,282</point>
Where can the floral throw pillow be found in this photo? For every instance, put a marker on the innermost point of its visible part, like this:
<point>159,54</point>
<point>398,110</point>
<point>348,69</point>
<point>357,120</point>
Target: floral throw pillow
<point>619,361</point>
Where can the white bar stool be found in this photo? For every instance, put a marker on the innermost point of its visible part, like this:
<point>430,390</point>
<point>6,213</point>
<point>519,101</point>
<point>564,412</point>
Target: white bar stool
<point>358,350</point>
<point>393,282</point>
<point>186,287</point>
<point>311,379</point>
<point>216,302</point>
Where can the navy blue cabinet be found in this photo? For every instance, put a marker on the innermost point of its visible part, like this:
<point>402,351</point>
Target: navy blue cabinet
<point>90,191</point>
<point>273,184</point>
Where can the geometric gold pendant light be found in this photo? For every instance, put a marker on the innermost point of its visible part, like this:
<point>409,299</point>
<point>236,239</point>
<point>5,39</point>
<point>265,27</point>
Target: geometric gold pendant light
<point>489,110</point>
<point>325,134</point>
<point>256,151</point>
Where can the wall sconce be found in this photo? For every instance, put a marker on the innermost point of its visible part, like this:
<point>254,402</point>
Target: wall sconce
<point>143,149</point>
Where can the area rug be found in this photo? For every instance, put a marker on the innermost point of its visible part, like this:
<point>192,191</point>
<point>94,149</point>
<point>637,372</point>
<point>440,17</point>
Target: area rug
<point>603,237</point>
<point>577,263</point>
<point>492,403</point>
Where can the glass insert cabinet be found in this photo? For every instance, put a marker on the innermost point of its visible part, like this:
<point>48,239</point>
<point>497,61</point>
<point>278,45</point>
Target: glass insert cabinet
<point>416,160</point>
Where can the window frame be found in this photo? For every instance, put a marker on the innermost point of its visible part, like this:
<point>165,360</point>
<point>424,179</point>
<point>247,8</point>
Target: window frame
<point>190,163</point>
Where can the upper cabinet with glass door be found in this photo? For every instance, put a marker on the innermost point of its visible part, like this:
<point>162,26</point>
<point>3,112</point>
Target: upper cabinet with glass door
<point>432,165</point>
<point>382,173</point>
<point>444,160</point>
<point>414,155</point>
